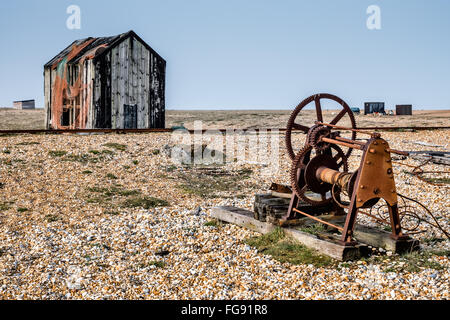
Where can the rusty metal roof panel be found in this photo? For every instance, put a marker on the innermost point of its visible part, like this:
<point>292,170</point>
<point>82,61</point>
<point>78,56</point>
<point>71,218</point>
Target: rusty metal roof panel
<point>104,41</point>
<point>89,45</point>
<point>95,42</point>
<point>65,52</point>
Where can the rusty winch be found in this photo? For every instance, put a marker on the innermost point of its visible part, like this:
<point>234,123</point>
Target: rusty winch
<point>320,168</point>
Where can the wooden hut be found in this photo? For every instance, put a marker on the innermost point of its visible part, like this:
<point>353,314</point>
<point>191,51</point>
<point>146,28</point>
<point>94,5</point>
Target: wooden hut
<point>374,107</point>
<point>24,104</point>
<point>110,82</point>
<point>403,110</point>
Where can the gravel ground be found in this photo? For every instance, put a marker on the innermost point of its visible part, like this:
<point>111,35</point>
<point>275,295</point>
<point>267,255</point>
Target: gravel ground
<point>69,230</point>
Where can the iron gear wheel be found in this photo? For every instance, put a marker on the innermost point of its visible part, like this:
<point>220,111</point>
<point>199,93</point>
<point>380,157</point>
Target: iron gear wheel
<point>298,163</point>
<point>315,134</point>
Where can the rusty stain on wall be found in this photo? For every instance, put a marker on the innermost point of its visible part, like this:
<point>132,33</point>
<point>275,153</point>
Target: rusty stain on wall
<point>65,96</point>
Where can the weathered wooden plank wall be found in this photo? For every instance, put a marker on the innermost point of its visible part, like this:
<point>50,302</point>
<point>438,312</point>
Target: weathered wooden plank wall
<point>131,80</point>
<point>101,113</point>
<point>49,82</point>
<point>114,85</point>
<point>157,92</point>
<point>47,96</point>
<point>90,98</point>
<point>125,63</point>
<point>145,73</point>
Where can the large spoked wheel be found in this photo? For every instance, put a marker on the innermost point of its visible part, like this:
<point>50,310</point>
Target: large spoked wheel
<point>296,124</point>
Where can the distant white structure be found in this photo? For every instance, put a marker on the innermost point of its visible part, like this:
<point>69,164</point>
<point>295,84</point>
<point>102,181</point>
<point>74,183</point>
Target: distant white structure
<point>25,104</point>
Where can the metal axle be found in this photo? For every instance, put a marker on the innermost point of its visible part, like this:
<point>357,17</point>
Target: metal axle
<point>331,176</point>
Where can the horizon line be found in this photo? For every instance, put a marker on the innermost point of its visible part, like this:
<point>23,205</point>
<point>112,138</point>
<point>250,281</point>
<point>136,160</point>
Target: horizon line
<point>252,108</point>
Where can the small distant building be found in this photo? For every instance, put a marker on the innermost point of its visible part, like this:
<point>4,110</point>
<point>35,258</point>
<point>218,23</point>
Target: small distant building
<point>374,107</point>
<point>113,82</point>
<point>24,104</point>
<point>356,110</point>
<point>403,110</point>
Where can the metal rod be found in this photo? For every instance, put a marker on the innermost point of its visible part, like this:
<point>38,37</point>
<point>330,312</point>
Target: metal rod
<point>415,232</point>
<point>318,220</point>
<point>402,153</point>
<point>345,144</point>
<point>350,141</point>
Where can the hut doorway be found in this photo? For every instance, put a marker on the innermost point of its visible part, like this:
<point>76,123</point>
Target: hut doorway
<point>66,117</point>
<point>130,116</point>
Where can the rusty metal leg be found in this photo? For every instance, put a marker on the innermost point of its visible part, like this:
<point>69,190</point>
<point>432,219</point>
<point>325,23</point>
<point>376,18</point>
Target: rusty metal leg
<point>350,223</point>
<point>395,223</point>
<point>291,214</point>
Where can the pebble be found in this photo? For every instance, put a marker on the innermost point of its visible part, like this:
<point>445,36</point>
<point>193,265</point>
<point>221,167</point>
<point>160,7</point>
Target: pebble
<point>65,247</point>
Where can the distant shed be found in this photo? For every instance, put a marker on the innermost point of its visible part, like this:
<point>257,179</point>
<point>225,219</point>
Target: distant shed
<point>24,104</point>
<point>374,107</point>
<point>113,82</point>
<point>403,110</point>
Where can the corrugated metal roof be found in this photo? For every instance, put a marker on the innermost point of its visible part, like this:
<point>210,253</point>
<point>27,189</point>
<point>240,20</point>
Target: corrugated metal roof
<point>31,100</point>
<point>95,43</point>
<point>107,42</point>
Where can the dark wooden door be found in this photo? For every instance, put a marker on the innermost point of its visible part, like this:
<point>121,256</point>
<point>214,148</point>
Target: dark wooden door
<point>130,116</point>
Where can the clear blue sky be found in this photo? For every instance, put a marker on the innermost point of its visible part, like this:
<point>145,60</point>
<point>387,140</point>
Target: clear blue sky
<point>242,54</point>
